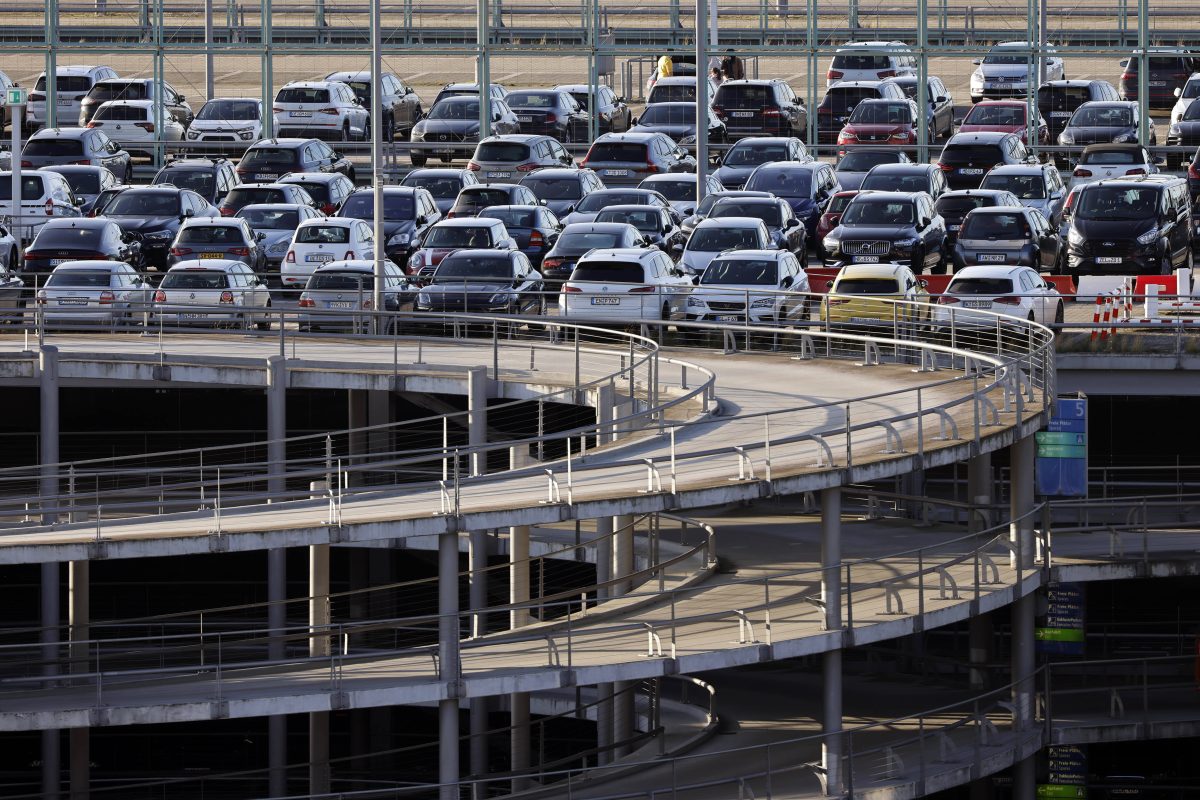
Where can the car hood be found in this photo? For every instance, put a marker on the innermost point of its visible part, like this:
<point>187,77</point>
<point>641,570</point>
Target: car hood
<point>677,131</point>
<point>697,260</point>
<point>580,216</point>
<point>804,207</point>
<point>969,128</point>
<point>1100,134</point>
<point>145,224</point>
<point>873,232</point>
<point>223,125</point>
<point>273,237</point>
<point>733,177</point>
<point>559,207</point>
<point>1111,230</point>
<point>877,130</point>
<point>472,287</point>
<point>470,126</point>
<point>996,71</point>
<point>851,180</point>
<point>391,227</point>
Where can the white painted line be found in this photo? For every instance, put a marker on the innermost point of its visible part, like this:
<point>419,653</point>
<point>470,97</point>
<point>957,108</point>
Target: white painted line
<point>508,77</point>
<point>229,75</point>
<point>791,78</point>
<point>413,78</point>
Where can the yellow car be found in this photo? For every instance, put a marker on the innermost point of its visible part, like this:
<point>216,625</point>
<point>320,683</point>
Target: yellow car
<point>859,292</point>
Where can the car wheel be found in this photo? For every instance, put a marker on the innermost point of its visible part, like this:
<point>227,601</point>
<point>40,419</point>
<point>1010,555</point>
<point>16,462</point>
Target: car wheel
<point>351,175</point>
<point>346,131</point>
<point>1060,263</point>
<point>264,324</point>
<point>1031,318</point>
<point>366,132</point>
<point>11,264</point>
<point>389,128</point>
<point>1166,264</point>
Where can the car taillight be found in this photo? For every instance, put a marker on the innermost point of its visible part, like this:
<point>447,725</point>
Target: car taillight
<point>1127,76</point>
<point>227,296</point>
<point>887,73</point>
<point>471,165</point>
<point>526,167</point>
<point>944,167</point>
<point>25,163</point>
<point>1179,76</point>
<point>771,111</point>
<point>1080,172</point>
<point>106,298</point>
<point>1008,301</point>
<point>651,167</point>
<point>833,74</point>
<point>947,299</point>
<point>33,256</point>
<point>239,251</point>
<point>276,110</point>
<point>368,304</point>
<point>1136,171</point>
<point>307,302</point>
<point>160,296</point>
<point>552,263</point>
<point>50,207</point>
<point>327,111</point>
<point>328,208</point>
<point>181,251</point>
<point>571,289</point>
<point>641,290</point>
<point>95,124</point>
<point>551,117</point>
<point>719,111</point>
<point>349,255</point>
<point>1193,172</point>
<point>451,214</point>
<point>83,163</point>
<point>584,162</point>
<point>291,257</point>
<point>148,127</point>
<point>536,238</point>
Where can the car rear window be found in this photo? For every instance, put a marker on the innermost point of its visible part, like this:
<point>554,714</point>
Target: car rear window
<point>483,197</point>
<point>361,205</point>
<point>79,278</point>
<point>870,113</point>
<point>1110,157</point>
<point>118,91</point>
<point>742,96</point>
<point>323,234</point>
<point>317,191</point>
<point>68,238</point>
<point>672,93</point>
<point>212,234</point>
<point>512,217</point>
<point>863,160</point>
<point>609,272</point>
<point>980,286</point>
<point>66,83</point>
<point>54,147</point>
<point>502,151</point>
<point>645,220</point>
<point>83,182</point>
<point>994,226</point>
<point>758,272</point>
<point>263,157</point>
<point>781,182</point>
<point>442,188</point>
<point>866,286</point>
<point>995,115</point>
<point>769,213</point>
<point>147,204</point>
<point>531,99</point>
<point>460,267</point>
<point>893,182</point>
<point>682,189</point>
<point>1026,187</point>
<point>554,188</point>
<point>1062,98</point>
<point>121,113</point>
<point>1160,63</point>
<point>31,187</point>
<point>860,61</point>
<point>195,279</point>
<point>297,94</point>
<point>1105,117</point>
<point>617,151</point>
<point>271,219</point>
<point>716,239</point>
<point>960,206</point>
<point>576,244</point>
<point>956,154</point>
<point>203,183</point>
<point>342,281</point>
<point>455,236</point>
<point>243,196</point>
<point>843,99</point>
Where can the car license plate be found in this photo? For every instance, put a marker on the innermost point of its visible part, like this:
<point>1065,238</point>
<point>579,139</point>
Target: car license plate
<point>727,318</point>
<point>64,102</point>
<point>953,227</point>
<point>866,259</point>
<point>977,303</point>
<point>525,118</point>
<point>1060,113</point>
<point>1108,259</point>
<point>1158,83</point>
<point>341,304</point>
<point>301,113</point>
<point>443,151</point>
<point>497,174</point>
<point>54,262</point>
<point>265,176</point>
<point>319,257</point>
<point>741,114</point>
<point>971,171</point>
<point>991,257</point>
<point>606,301</point>
<point>73,301</point>
<point>1002,85</point>
<point>212,255</point>
<point>616,172</point>
<point>192,316</point>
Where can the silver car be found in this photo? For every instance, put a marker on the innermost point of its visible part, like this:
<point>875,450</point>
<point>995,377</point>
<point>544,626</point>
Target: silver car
<point>276,223</point>
<point>91,292</point>
<point>87,182</point>
<point>510,157</point>
<point>214,292</point>
<point>337,294</point>
<point>1035,185</point>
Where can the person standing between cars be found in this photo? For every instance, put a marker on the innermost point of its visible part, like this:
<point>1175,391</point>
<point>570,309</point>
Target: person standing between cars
<point>714,77</point>
<point>731,67</point>
<point>666,66</point>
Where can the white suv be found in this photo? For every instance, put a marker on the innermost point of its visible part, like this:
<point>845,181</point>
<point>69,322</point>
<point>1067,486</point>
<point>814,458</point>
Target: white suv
<point>870,61</point>
<point>72,83</point>
<point>132,124</point>
<point>1185,96</point>
<point>325,109</point>
<point>44,196</point>
<point>626,284</point>
<point>319,241</point>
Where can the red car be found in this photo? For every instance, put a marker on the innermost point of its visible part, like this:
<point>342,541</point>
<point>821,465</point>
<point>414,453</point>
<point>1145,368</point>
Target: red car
<point>1004,116</point>
<point>831,216</point>
<point>880,122</point>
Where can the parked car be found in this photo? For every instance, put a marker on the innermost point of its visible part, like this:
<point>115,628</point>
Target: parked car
<point>484,281</point>
<point>582,237</point>
<point>866,295</point>
<point>226,125</point>
<point>853,166</point>
<point>408,213</point>
<point>768,285</point>
<point>1185,133</point>
<point>1185,96</point>
<point>1011,235</point>
<point>968,156</point>
<point>1004,71</point>
<point>72,84</point>
<point>155,213</point>
<point>840,100</point>
<point>87,182</point>
<point>534,227</point>
<point>906,178</point>
<point>753,151</point>
<point>785,230</point>
<point>328,190</point>
<point>450,235</point>
<point>319,241</point>
<point>130,89</point>
<point>1104,122</point>
<point>451,128</point>
<point>657,226</point>
<point>881,123</point>
<point>271,159</point>
<point>681,190</point>
<point>496,91</point>
<point>276,223</point>
<point>443,183</point>
<point>626,285</point>
<point>212,292</point>
<point>870,61</point>
<point>561,189</point>
<point>1130,226</point>
<point>473,199</point>
<point>805,186</point>
<point>1010,291</point>
<point>135,125</point>
<point>677,89</point>
<point>1169,70</point>
<point>12,295</point>
<point>754,107</point>
<point>80,292</point>
<point>1035,185</point>
<point>102,200</point>
<point>321,109</point>
<point>831,216</point>
<point>702,211</point>
<point>715,236</point>
<point>63,240</point>
<point>678,121</point>
<point>338,293</point>
<point>56,147</point>
<point>940,113</point>
<point>211,178</point>
<point>401,105</point>
<point>246,193</point>
<point>45,195</point>
<point>612,114</point>
<point>510,157</point>
<point>548,112</point>
<point>598,200</point>
<point>222,238</point>
<point>625,159</point>
<point>1057,100</point>
<point>889,227</point>
<point>1004,116</point>
<point>955,205</point>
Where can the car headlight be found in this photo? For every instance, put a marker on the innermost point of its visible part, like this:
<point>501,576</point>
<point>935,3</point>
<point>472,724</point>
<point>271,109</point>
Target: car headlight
<point>1129,137</point>
<point>832,244</point>
<point>499,300</point>
<point>696,302</point>
<point>418,133</point>
<point>158,236</point>
<point>1074,237</point>
<point>400,238</point>
<point>417,260</point>
<point>278,247</point>
<point>472,131</point>
<point>423,301</point>
<point>1066,138</point>
<point>908,242</point>
<point>766,302</point>
<point>193,134</point>
<point>689,139</point>
<point>976,79</point>
<point>902,135</point>
<point>1149,236</point>
<point>247,134</point>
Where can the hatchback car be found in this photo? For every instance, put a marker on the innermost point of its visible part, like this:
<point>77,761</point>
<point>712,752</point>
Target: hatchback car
<point>753,107</point>
<point>1035,185</point>
<point>955,205</point>
<point>806,187</point>
<point>625,159</point>
<point>473,199</point>
<point>226,125</point>
<point>582,237</point>
<point>511,157</point>
<point>86,182</point>
<point>497,91</point>
<point>785,230</point>
<point>1170,68</point>
<point>44,196</point>
<point>770,286</point>
<point>623,285</point>
<point>1004,71</point>
<point>442,183</point>
<point>319,241</point>
<point>1057,100</point>
<point>72,83</point>
<point>867,295</point>
<point>323,109</point>
<point>840,100</point>
<point>1014,235</point>
<point>853,167</point>
<point>678,121</point>
<point>534,227</point>
<point>715,236</point>
<point>1004,116</point>
<point>968,156</point>
<point>213,292</point>
<point>76,146</point>
<point>681,190</point>
<point>1100,162</point>
<point>271,159</point>
<point>138,126</point>
<point>63,240</point>
<point>81,292</point>
<point>1103,122</point>
<point>121,89</point>
<point>612,114</point>
<point>677,89</point>
<point>484,281</point>
<point>881,123</point>
<point>657,226</point>
<point>246,193</point>
<point>548,112</point>
<point>211,178</point>
<point>451,129</point>
<point>597,201</point>
<point>889,227</point>
<point>328,190</point>
<point>1127,226</point>
<point>401,105</point>
<point>940,114</point>
<point>752,151</point>
<point>870,61</point>
<point>1011,291</point>
<point>337,294</point>
<point>906,178</point>
<point>408,214</point>
<point>220,238</point>
<point>276,224</point>
<point>450,235</point>
<point>702,211</point>
<point>561,189</point>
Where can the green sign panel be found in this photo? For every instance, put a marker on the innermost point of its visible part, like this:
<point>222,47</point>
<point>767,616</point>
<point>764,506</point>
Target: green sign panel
<point>16,96</point>
<point>1051,791</point>
<point>1056,438</point>
<point>1058,634</point>
<point>1061,451</point>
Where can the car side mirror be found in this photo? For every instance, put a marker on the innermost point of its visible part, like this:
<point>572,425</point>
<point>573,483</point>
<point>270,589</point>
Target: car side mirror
<point>787,282</point>
<point>1125,62</point>
<point>714,161</point>
<point>926,222</point>
<point>941,98</point>
<point>569,209</point>
<point>792,223</point>
<point>1178,92</point>
<point>421,220</point>
<point>924,284</point>
<point>1159,161</point>
<point>260,236</point>
<point>495,118</point>
<point>828,285</point>
<point>677,247</point>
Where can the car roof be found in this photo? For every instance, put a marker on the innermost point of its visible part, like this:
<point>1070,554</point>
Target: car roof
<point>729,222</point>
<point>441,172</point>
<point>979,137</point>
<point>128,81</point>
<point>68,169</point>
<point>474,187</point>
<point>630,207</point>
<point>60,133</point>
<point>522,138</point>
<point>745,255</point>
<point>1017,169</point>
<point>872,44</point>
<point>285,142</point>
<point>1102,103</point>
<point>270,185</point>
<point>479,251</point>
<point>671,177</point>
<point>395,190</point>
<point>750,82</point>
<point>213,221</point>
<point>1001,210</point>
<point>341,222</point>
<point>883,270</point>
<point>985,272</point>
<point>464,222</point>
<point>597,227</point>
<point>348,265</point>
<point>1137,180</point>
<point>889,168</point>
<point>767,139</point>
<point>631,136</point>
<point>854,84</point>
<point>630,253</point>
<point>517,206</point>
<point>309,84</point>
<point>685,80</point>
<point>1122,147</point>
<point>191,164</point>
<point>559,172</point>
<point>1069,84</point>
<point>129,103</point>
<point>78,222</point>
<point>246,99</point>
<point>74,69</point>
<point>349,75</point>
<point>88,264</point>
<point>309,177</point>
<point>875,194</point>
<point>972,193</point>
<point>274,206</point>
<point>804,166</point>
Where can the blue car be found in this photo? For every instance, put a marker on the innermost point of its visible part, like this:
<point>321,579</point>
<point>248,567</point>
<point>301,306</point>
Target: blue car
<point>805,186</point>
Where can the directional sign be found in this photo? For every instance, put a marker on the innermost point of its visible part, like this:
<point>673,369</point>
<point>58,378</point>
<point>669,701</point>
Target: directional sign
<point>1052,437</point>
<point>16,96</point>
<point>1062,450</point>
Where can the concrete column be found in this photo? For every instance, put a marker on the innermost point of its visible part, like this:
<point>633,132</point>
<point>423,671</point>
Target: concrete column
<point>81,769</point>
<point>276,422</point>
<point>831,662</point>
<point>604,555</point>
<point>518,575</point>
<point>622,547</point>
<point>318,752</point>
<point>979,488</point>
<point>478,544</point>
<point>1021,466</point>
<point>1021,460</point>
<point>604,721</point>
<point>478,385</point>
<point>624,721</point>
<point>477,750</point>
<point>1024,779</point>
<point>277,755</point>
<point>519,735</point>
<point>78,618</point>
<point>448,652</point>
<point>979,650</point>
<point>318,599</point>
<point>48,455</point>
<point>605,400</point>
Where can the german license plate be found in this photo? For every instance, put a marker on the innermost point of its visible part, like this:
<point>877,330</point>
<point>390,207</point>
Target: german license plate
<point>953,227</point>
<point>193,316</point>
<point>1002,85</point>
<point>741,114</point>
<point>319,257</point>
<point>443,151</point>
<point>301,113</point>
<point>977,303</point>
<point>54,262</point>
<point>606,301</point>
<point>1108,259</point>
<point>341,304</point>
<point>971,171</point>
<point>64,101</point>
<point>497,174</point>
<point>1158,83</point>
<point>73,301</point>
<point>265,176</point>
<point>212,255</point>
<point>866,259</point>
<point>1060,113</point>
<point>991,257</point>
<point>616,172</point>
<point>727,318</point>
<point>524,118</point>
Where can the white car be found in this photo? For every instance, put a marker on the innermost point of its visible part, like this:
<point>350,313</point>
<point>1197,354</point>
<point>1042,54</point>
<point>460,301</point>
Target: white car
<point>625,284</point>
<point>44,196</point>
<point>1004,71</point>
<point>772,282</point>
<point>72,83</point>
<point>680,189</point>
<point>227,123</point>
<point>1011,291</point>
<point>83,292</point>
<point>870,61</point>
<point>319,241</point>
<point>1100,162</point>
<point>324,109</point>
<point>137,125</point>
<point>212,292</point>
<point>714,236</point>
<point>1185,96</point>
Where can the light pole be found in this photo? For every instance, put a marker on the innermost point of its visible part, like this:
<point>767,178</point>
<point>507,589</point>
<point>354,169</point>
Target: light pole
<point>376,118</point>
<point>15,99</point>
<point>702,100</point>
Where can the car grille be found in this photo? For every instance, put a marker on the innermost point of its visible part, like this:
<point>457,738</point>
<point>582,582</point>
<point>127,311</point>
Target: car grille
<point>219,139</point>
<point>869,137</point>
<point>447,137</point>
<point>1108,247</point>
<point>866,248</point>
<point>1008,79</point>
<point>727,306</point>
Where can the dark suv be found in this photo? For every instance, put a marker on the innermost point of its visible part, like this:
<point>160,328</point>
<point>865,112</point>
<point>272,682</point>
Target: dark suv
<point>1169,70</point>
<point>271,159</point>
<point>1057,100</point>
<point>1130,226</point>
<point>841,98</point>
<point>967,157</point>
<point>906,178</point>
<point>155,214</point>
<point>760,108</point>
<point>211,178</point>
<point>888,227</point>
<point>954,206</point>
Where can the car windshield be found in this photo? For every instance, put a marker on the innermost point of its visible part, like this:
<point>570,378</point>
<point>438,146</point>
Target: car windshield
<point>871,113</point>
<point>275,158</point>
<point>65,83</point>
<point>233,110</point>
<point>843,99</point>
<point>1104,157</point>
<point>672,93</point>
<point>531,99</point>
<point>512,217</point>
<point>1062,98</point>
<point>1191,89</point>
<point>361,205</point>
<point>1107,117</point>
<point>617,151</point>
<point>344,281</point>
<point>67,238</point>
<point>1192,112</point>
<point>716,239</point>
<point>554,188</point>
<point>455,108</point>
<point>1116,202</point>
<point>302,94</point>
<point>508,152</point>
<point>1005,56</point>
<point>996,286</point>
<point>1026,187</point>
<point>457,268</point>
<point>668,114</point>
<point>483,197</point>
<point>120,112</point>
<point>896,182</point>
<point>860,61</point>
<point>203,183</point>
<point>576,244</point>
<point>83,182</point>
<point>769,213</point>
<point>139,204</point>
<point>863,160</point>
<point>756,272</point>
<point>994,226</point>
<point>212,234</point>
<point>79,279</point>
<point>53,147</point>
<point>781,182</point>
<point>117,90</point>
<point>317,191</point>
<point>270,219</point>
<point>442,188</point>
<point>646,221</point>
<point>838,203</point>
<point>322,234</point>
<point>866,286</point>
<point>751,155</point>
<point>875,212</point>
<point>458,237</point>
<point>597,201</point>
<point>962,154</point>
<point>1004,116</point>
<point>194,279</point>
<point>680,189</point>
<point>742,95</point>
<point>608,272</point>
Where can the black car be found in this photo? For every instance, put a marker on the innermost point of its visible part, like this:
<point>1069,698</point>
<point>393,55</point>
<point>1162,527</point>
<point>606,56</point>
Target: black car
<point>474,199</point>
<point>1057,100</point>
<point>581,237</point>
<point>271,159</point>
<point>678,120</point>
<point>211,178</point>
<point>940,117</point>
<point>967,157</point>
<point>155,213</point>
<point>534,227</point>
<point>444,183</point>
<point>753,151</point>
<point>852,168</point>
<point>786,231</point>
<point>550,113</point>
<point>889,227</point>
<point>451,128</point>
<point>484,281</point>
<point>805,186</point>
<point>906,178</point>
<point>612,114</point>
<point>710,200</point>
<point>1009,236</point>
<point>656,225</point>
<point>1130,226</point>
<point>65,239</point>
<point>407,214</point>
<point>104,198</point>
<point>1103,122</point>
<point>247,193</point>
<point>328,190</point>
<point>955,205</point>
<point>840,100</point>
<point>753,107</point>
<point>1170,68</point>
<point>561,189</point>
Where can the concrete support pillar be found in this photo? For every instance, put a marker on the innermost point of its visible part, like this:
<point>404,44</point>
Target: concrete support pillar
<point>318,752</point>
<point>478,545</point>
<point>831,662</point>
<point>1024,779</point>
<point>276,422</point>
<point>78,619</point>
<point>81,769</point>
<point>478,385</point>
<point>979,650</point>
<point>478,708</point>
<point>604,556</point>
<point>360,569</point>
<point>1021,460</point>
<point>519,734</point>
<point>318,600</point>
<point>979,489</point>
<point>48,456</point>
<point>605,400</point>
<point>448,652</point>
<point>1021,467</point>
<point>622,547</point>
<point>518,575</point>
<point>604,722</point>
<point>277,755</point>
<point>624,721</point>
